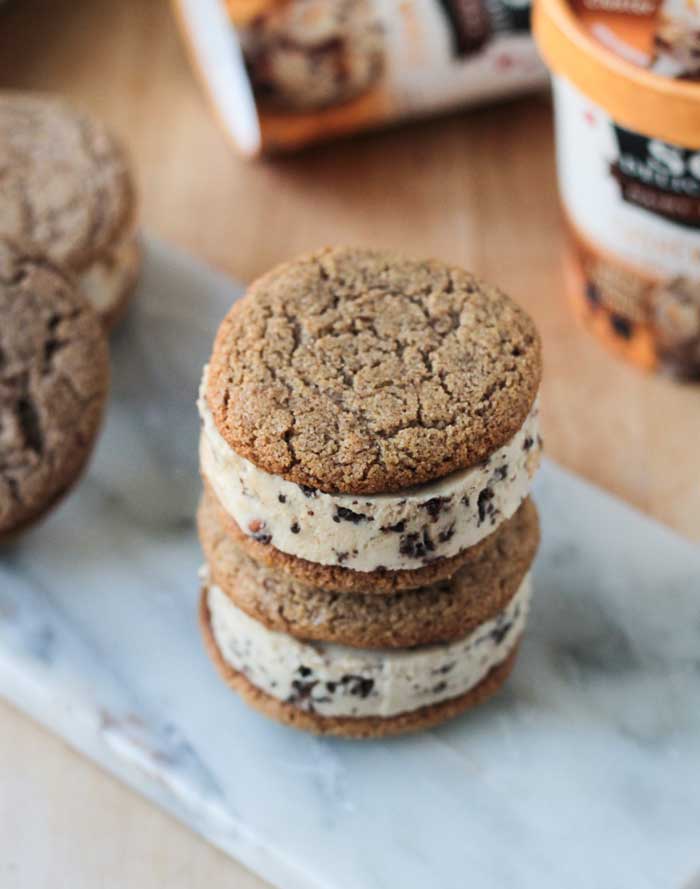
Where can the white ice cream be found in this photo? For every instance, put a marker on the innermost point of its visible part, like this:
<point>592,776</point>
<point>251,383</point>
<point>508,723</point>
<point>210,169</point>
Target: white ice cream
<point>336,680</point>
<point>403,530</point>
<point>105,280</point>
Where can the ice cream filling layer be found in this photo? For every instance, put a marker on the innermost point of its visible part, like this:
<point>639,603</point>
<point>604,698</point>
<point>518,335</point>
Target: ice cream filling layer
<point>402,530</point>
<point>336,680</point>
<point>104,281</point>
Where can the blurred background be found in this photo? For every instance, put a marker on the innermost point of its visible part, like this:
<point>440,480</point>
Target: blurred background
<point>474,187</point>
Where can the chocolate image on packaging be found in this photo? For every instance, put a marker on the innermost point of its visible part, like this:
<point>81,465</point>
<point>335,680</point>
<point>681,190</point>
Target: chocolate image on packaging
<point>677,49</point>
<point>655,325</point>
<point>282,74</point>
<point>622,293</point>
<point>676,318</point>
<point>470,25</point>
<point>304,55</point>
<point>612,301</point>
<point>680,46</point>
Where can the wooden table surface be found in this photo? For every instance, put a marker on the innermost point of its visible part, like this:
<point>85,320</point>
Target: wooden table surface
<point>475,188</point>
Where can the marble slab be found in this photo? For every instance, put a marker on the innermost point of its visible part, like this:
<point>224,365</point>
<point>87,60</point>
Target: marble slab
<point>585,772</point>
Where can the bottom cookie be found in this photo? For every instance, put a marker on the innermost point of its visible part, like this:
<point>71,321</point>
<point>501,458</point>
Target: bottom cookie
<point>291,714</point>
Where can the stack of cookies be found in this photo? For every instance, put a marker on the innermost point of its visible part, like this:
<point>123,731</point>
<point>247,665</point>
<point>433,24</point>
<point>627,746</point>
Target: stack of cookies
<point>69,259</point>
<point>369,435</point>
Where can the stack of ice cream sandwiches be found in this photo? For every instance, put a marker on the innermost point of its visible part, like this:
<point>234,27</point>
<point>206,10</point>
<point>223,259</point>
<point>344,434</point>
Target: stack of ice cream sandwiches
<point>369,436</point>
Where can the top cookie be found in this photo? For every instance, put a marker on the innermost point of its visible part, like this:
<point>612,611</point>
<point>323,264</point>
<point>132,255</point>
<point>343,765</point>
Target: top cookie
<point>361,371</point>
<point>54,371</point>
<point>65,184</point>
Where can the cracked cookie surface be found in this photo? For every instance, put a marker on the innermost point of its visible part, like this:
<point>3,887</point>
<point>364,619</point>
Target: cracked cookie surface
<point>362,372</point>
<point>54,373</point>
<point>64,180</point>
<point>66,186</point>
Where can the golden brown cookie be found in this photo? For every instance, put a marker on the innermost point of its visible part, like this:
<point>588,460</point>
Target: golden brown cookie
<point>54,372</point>
<point>352,727</point>
<point>362,372</point>
<point>440,612</point>
<point>66,186</point>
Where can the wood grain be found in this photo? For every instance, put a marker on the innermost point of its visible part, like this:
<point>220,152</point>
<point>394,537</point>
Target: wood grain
<point>474,188</point>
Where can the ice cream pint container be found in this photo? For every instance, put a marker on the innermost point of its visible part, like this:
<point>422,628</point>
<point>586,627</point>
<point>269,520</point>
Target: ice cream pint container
<point>284,73</point>
<point>626,86</point>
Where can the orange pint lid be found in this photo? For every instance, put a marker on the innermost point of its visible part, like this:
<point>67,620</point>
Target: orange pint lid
<point>613,75</point>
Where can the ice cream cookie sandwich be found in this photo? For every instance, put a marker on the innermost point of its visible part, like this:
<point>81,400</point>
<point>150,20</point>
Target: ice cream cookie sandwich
<point>366,414</point>
<point>54,371</point>
<point>66,186</point>
<point>370,429</point>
